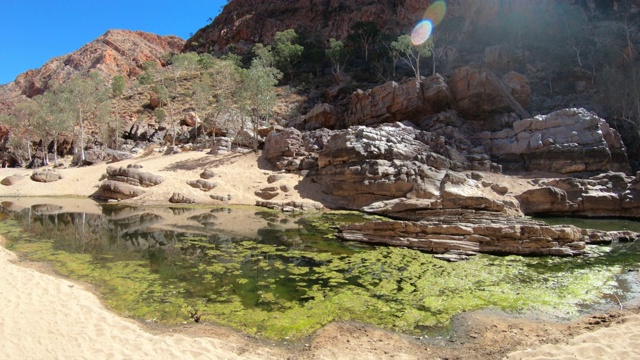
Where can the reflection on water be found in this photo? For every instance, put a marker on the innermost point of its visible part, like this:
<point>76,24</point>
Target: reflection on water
<point>590,223</point>
<point>279,275</point>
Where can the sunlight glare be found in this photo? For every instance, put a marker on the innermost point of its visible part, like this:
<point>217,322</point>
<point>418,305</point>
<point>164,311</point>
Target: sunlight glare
<point>421,32</point>
<point>435,13</point>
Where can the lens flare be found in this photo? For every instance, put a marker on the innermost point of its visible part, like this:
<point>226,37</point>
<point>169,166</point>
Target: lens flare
<point>421,32</point>
<point>435,13</point>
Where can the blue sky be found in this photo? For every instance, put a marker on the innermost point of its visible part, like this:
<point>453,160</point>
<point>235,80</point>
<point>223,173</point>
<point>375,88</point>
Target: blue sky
<point>34,31</point>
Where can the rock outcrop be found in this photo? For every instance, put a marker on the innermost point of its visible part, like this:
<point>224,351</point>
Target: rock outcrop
<point>565,141</point>
<point>604,195</point>
<point>392,168</point>
<point>392,101</point>
<point>472,232</point>
<point>126,183</point>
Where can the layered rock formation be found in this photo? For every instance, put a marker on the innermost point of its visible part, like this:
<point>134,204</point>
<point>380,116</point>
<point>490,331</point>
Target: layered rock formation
<point>126,183</point>
<point>392,168</point>
<point>392,101</point>
<point>472,232</point>
<point>604,195</point>
<point>565,141</point>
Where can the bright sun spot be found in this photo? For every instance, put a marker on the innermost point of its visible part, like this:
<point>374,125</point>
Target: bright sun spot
<point>432,17</point>
<point>421,32</point>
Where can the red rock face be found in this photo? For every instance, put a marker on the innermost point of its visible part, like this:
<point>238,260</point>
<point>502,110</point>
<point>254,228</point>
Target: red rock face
<point>117,52</point>
<point>245,22</point>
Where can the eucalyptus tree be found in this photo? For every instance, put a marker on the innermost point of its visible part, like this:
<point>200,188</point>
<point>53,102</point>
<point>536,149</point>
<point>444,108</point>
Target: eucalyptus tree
<point>187,62</point>
<point>21,125</point>
<point>286,52</point>
<point>118,86</point>
<point>225,80</point>
<point>86,99</point>
<point>366,33</point>
<point>337,54</point>
<point>410,53</point>
<point>202,92</point>
<point>53,118</point>
<point>257,94</point>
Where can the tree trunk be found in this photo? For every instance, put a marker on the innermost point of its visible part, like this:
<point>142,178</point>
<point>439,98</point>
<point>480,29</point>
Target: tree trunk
<point>55,150</point>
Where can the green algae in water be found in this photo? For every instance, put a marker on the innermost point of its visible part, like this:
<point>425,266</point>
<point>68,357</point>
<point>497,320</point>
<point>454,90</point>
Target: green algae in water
<point>289,281</point>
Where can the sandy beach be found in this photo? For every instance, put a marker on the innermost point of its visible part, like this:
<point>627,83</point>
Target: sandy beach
<point>47,317</point>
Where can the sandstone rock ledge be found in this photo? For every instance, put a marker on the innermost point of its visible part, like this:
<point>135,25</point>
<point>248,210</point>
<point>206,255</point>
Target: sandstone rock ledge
<point>472,232</point>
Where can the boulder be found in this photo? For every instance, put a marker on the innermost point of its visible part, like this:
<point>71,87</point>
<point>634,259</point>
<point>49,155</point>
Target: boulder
<point>275,178</point>
<point>190,119</point>
<point>202,184</point>
<point>546,200</point>
<point>11,180</point>
<point>207,174</point>
<point>154,101</point>
<point>222,145</point>
<point>605,195</point>
<point>565,141</point>
<point>46,176</point>
<point>133,176</point>
<point>518,86</point>
<point>116,190</point>
<point>268,192</point>
<point>320,116</point>
<point>178,198</point>
<point>476,93</point>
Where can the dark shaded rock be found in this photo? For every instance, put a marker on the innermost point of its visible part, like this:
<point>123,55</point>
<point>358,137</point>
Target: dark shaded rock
<point>267,193</point>
<point>218,197</point>
<point>479,93</point>
<point>222,145</point>
<point>45,176</point>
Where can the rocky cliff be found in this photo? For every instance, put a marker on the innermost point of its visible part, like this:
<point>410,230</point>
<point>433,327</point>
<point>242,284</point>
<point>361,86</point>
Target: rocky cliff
<point>117,52</point>
<point>245,22</point>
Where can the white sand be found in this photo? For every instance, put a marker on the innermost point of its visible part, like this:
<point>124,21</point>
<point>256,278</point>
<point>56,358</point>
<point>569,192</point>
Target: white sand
<point>619,341</point>
<point>44,317</point>
<point>238,175</point>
